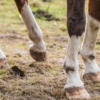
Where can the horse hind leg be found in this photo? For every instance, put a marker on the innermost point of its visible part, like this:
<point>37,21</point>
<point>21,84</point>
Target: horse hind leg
<point>38,48</point>
<point>92,71</point>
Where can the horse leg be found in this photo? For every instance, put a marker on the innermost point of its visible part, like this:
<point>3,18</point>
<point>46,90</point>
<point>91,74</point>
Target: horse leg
<point>74,88</point>
<point>38,49</point>
<point>3,61</point>
<point>92,71</point>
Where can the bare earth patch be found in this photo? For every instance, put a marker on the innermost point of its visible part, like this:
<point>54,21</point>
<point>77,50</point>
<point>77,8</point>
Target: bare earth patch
<point>42,80</point>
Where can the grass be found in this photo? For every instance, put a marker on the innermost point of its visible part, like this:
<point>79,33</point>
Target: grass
<point>43,80</point>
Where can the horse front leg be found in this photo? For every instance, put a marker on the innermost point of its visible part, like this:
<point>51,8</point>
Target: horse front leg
<point>38,48</point>
<point>92,70</point>
<point>74,88</point>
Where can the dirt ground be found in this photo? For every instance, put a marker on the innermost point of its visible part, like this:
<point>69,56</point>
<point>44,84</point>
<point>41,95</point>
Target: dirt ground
<point>42,80</point>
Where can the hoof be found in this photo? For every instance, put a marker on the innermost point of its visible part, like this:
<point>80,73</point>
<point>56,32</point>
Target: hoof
<point>92,76</point>
<point>38,56</point>
<point>76,93</point>
<point>3,63</point>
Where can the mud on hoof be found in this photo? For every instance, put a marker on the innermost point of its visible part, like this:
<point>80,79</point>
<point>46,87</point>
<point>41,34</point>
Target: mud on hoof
<point>38,56</point>
<point>3,63</point>
<point>76,93</point>
<point>92,76</point>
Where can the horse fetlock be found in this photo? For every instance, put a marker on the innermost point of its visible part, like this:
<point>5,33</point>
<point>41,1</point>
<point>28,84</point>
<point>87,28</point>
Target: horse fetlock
<point>73,80</point>
<point>70,66</point>
<point>38,47</point>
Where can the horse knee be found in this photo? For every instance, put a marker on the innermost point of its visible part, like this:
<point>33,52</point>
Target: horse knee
<point>76,25</point>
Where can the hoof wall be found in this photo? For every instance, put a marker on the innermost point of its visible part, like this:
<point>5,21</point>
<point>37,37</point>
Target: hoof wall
<point>38,56</point>
<point>3,63</point>
<point>76,93</point>
<point>92,76</point>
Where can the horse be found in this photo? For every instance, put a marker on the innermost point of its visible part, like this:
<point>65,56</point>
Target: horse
<point>76,20</point>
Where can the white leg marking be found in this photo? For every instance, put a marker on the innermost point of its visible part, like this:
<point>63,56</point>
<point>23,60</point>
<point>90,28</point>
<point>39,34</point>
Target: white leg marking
<point>88,48</point>
<point>35,33</point>
<point>2,54</point>
<point>71,61</point>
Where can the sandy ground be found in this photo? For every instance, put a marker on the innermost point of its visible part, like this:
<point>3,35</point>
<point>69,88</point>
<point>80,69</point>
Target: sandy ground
<point>42,80</point>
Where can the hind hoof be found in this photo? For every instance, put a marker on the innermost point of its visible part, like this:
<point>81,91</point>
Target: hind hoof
<point>92,76</point>
<point>38,56</point>
<point>76,93</point>
<point>3,63</point>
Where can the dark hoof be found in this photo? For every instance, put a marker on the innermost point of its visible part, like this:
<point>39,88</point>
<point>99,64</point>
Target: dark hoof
<point>92,76</point>
<point>38,56</point>
<point>3,63</point>
<point>76,93</point>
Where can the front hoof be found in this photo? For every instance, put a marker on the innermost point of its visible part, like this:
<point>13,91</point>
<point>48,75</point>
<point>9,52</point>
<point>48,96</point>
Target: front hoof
<point>92,76</point>
<point>3,63</point>
<point>38,56</point>
<point>76,93</point>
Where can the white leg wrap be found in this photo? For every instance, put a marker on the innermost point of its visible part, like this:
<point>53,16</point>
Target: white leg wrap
<point>88,48</point>
<point>2,54</point>
<point>35,33</point>
<point>71,63</point>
